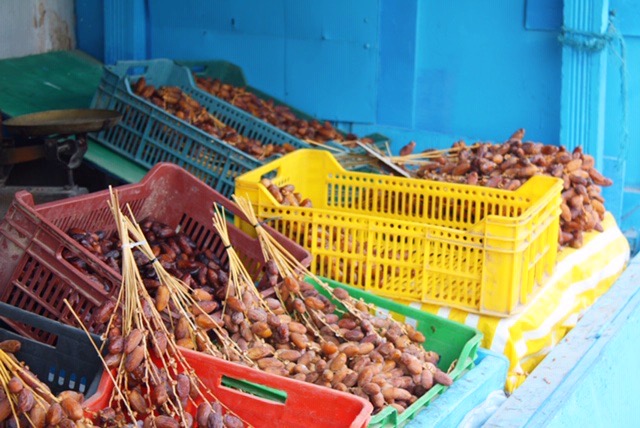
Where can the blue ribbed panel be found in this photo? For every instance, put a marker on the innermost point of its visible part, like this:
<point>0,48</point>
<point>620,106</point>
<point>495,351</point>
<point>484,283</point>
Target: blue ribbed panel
<point>547,15</point>
<point>124,30</point>
<point>584,74</point>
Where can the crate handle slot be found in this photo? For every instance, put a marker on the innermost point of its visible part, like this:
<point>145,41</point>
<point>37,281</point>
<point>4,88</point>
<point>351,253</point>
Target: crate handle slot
<point>254,389</point>
<point>198,68</point>
<point>70,381</point>
<point>138,67</point>
<point>137,70</point>
<point>271,174</point>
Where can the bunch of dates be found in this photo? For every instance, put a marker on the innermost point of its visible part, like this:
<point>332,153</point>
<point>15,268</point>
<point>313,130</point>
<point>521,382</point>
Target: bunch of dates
<point>176,251</point>
<point>26,401</point>
<point>152,390</point>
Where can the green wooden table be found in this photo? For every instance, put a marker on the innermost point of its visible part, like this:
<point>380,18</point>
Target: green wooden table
<point>60,80</point>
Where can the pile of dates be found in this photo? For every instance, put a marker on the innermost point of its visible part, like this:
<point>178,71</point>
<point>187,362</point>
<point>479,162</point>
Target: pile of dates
<point>373,357</point>
<point>279,116</point>
<point>286,195</point>
<point>511,164</point>
<point>177,103</point>
<point>176,251</point>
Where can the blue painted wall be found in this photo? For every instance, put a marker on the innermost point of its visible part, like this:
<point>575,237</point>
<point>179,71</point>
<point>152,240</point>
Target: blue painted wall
<point>417,65</point>
<point>397,63</point>
<point>427,70</point>
<point>481,73</point>
<point>319,56</point>
<point>90,27</point>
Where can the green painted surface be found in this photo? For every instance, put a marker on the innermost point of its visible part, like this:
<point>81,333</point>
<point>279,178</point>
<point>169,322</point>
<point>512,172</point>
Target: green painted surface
<point>114,164</point>
<point>60,80</point>
<point>55,80</point>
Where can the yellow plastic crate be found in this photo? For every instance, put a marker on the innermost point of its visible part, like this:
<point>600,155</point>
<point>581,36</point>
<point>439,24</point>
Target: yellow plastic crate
<point>470,247</point>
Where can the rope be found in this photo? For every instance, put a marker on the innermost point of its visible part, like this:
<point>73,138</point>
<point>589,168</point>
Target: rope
<point>584,40</point>
<point>595,42</point>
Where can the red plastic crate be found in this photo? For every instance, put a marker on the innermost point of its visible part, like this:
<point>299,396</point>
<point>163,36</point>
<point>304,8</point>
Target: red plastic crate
<point>35,276</point>
<point>274,401</point>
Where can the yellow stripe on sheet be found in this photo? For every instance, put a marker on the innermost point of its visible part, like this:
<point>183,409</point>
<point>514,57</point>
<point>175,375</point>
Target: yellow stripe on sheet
<point>580,277</point>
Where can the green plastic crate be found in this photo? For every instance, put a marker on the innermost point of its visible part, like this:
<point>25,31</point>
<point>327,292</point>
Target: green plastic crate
<point>452,340</point>
<point>164,72</point>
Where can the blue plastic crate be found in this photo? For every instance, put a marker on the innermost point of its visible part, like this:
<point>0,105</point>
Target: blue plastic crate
<point>488,375</point>
<point>147,134</point>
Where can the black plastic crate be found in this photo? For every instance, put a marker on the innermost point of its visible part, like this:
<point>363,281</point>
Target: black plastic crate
<point>71,363</point>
